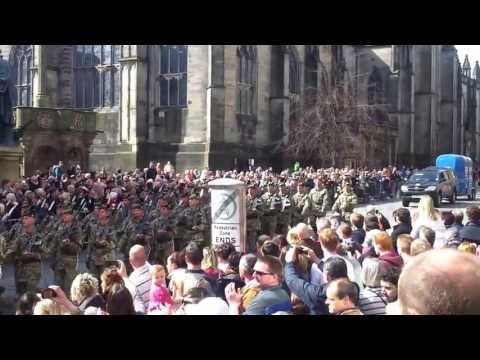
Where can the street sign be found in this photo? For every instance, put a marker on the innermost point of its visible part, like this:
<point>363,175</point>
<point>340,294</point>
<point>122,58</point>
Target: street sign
<point>228,212</point>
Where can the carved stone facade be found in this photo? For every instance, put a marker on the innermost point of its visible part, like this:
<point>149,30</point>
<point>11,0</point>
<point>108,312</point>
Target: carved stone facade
<point>239,99</point>
<point>50,135</point>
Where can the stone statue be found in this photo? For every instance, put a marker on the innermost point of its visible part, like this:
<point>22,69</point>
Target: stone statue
<point>6,115</point>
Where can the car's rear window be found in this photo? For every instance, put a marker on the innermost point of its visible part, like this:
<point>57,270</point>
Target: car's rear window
<point>424,176</point>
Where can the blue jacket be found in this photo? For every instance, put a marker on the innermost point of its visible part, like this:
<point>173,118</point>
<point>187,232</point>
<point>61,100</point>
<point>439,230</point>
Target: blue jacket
<point>313,296</point>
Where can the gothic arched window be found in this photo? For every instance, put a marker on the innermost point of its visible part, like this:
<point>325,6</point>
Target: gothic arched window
<point>173,75</point>
<point>22,75</point>
<point>246,79</point>
<point>312,58</point>
<point>375,88</point>
<point>96,74</point>
<point>294,74</point>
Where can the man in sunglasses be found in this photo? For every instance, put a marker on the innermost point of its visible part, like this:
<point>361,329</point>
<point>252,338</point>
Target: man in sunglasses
<point>271,298</point>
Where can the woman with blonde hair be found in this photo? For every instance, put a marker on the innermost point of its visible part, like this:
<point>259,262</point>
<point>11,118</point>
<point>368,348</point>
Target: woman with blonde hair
<point>428,216</point>
<point>303,263</point>
<point>84,292</point>
<point>209,262</point>
<point>468,247</point>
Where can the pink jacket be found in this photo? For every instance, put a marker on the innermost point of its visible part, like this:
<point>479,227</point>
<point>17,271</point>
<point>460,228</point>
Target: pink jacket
<point>159,295</point>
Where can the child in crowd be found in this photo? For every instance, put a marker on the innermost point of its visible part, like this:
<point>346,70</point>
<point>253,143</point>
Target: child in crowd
<point>159,294</point>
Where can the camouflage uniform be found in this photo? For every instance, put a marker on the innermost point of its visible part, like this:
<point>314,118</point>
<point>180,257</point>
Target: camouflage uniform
<point>121,214</point>
<point>299,209</point>
<point>285,216</point>
<point>196,223</point>
<point>102,244</point>
<point>255,209</point>
<point>345,203</point>
<point>163,246</point>
<point>68,244</point>
<point>88,220</point>
<point>273,205</point>
<point>180,238</point>
<point>29,251</point>
<point>207,231</point>
<point>136,232</point>
<point>318,204</point>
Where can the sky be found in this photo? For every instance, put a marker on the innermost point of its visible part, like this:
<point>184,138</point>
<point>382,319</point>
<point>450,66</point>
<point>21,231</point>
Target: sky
<point>473,52</point>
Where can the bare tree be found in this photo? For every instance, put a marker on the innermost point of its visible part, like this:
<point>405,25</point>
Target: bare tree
<point>329,124</point>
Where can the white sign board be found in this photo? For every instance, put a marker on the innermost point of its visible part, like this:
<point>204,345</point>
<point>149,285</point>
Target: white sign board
<point>226,234</point>
<point>228,213</point>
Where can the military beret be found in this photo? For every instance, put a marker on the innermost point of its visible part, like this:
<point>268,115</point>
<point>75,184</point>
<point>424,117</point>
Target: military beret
<point>193,196</point>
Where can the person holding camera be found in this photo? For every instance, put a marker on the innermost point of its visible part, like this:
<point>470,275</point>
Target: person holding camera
<point>312,295</point>
<point>272,297</point>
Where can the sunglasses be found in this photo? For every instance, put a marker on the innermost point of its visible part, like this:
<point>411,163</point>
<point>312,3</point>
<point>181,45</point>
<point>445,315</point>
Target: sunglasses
<point>261,273</point>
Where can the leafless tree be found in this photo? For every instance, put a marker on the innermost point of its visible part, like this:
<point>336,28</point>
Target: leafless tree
<point>329,123</point>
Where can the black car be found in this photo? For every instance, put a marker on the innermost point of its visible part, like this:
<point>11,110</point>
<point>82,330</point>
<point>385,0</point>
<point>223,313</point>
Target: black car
<point>439,183</point>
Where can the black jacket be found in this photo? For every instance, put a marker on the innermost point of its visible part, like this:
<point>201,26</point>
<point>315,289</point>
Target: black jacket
<point>151,174</point>
<point>358,236</point>
<point>96,301</point>
<point>224,280</point>
<point>471,232</point>
<point>399,230</point>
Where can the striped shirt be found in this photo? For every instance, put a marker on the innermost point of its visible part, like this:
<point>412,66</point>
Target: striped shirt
<point>142,280</point>
<point>372,302</point>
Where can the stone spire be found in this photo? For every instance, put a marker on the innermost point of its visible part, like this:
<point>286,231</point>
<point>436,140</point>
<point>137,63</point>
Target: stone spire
<point>466,67</point>
<point>476,71</point>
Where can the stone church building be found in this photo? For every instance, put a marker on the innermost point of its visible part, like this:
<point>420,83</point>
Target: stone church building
<point>216,106</point>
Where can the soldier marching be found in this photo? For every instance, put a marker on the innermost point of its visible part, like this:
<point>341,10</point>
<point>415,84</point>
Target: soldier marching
<point>68,225</point>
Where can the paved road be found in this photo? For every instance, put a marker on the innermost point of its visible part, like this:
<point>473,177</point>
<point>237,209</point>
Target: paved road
<point>387,207</point>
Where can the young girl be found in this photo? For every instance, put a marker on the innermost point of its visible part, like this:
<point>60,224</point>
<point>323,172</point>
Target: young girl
<point>159,294</point>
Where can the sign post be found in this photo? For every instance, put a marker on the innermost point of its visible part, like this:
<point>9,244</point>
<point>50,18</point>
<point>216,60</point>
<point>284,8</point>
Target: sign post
<point>228,212</point>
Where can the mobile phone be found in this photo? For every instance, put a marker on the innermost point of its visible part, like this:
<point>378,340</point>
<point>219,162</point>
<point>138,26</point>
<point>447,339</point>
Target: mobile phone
<point>302,250</point>
<point>48,293</point>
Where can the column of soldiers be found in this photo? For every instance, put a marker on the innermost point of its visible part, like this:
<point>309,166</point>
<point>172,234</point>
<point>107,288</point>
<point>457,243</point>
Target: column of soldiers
<point>81,234</point>
<point>276,211</point>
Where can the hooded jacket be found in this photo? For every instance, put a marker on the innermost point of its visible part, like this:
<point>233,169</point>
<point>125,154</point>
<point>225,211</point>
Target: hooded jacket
<point>392,259</point>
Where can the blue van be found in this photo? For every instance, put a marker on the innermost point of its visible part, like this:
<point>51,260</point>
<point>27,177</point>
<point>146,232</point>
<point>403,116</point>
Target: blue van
<point>462,167</point>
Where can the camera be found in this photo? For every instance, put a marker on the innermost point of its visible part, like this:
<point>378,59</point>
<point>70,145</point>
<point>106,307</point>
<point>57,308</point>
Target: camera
<point>48,293</point>
<point>301,250</point>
